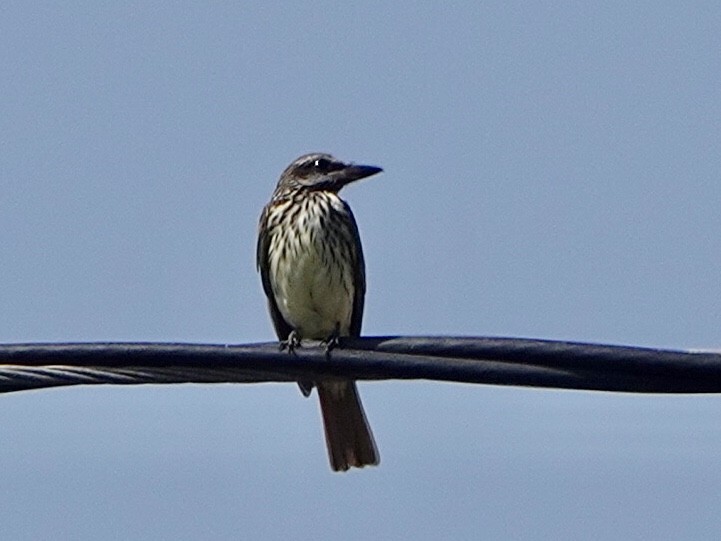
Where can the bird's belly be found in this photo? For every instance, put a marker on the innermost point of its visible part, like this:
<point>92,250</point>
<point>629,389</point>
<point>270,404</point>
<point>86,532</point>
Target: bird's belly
<point>315,293</point>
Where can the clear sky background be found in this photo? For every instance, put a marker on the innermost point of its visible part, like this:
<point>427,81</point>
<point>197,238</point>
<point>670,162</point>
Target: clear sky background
<point>551,171</point>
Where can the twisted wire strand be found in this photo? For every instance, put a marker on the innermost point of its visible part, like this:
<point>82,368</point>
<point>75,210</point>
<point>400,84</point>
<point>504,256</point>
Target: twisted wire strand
<point>497,361</point>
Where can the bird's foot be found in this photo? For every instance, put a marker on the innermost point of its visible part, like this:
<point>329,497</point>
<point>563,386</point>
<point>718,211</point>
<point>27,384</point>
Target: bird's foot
<point>332,341</point>
<point>291,343</point>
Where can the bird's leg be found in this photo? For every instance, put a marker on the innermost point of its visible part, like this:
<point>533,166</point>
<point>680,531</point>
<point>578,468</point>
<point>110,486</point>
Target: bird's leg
<point>332,341</point>
<point>291,343</point>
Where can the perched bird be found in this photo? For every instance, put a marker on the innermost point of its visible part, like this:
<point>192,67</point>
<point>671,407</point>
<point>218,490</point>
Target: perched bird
<point>311,263</point>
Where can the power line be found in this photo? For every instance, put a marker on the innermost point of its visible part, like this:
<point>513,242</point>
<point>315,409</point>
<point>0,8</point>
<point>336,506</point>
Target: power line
<point>496,361</point>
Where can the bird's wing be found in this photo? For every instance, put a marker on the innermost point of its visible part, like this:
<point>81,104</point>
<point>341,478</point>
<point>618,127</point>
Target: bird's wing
<point>359,277</point>
<point>282,329</point>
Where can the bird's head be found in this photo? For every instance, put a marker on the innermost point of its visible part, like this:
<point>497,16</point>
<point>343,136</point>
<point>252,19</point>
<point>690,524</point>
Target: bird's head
<point>320,171</point>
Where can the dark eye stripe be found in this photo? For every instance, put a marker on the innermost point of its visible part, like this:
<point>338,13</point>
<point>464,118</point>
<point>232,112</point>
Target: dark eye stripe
<point>319,165</point>
<point>322,165</point>
<point>326,166</point>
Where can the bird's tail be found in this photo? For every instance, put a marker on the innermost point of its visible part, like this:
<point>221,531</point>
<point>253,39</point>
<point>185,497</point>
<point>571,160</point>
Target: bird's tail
<point>347,434</point>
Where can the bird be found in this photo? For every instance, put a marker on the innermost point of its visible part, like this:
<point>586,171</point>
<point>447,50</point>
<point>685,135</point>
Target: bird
<point>311,264</point>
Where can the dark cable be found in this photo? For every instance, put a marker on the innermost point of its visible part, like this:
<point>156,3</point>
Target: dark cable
<point>497,361</point>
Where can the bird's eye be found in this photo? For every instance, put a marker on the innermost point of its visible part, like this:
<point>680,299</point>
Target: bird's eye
<point>322,165</point>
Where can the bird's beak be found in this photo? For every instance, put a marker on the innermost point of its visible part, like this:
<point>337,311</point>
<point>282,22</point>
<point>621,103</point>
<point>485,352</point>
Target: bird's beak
<point>356,172</point>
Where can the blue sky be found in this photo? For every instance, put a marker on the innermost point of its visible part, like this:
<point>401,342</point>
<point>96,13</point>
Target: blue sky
<point>551,171</point>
